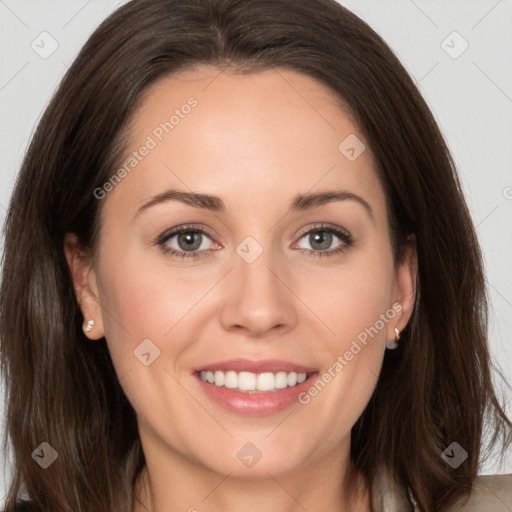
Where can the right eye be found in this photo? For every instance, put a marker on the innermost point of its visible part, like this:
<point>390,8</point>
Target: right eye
<point>184,242</point>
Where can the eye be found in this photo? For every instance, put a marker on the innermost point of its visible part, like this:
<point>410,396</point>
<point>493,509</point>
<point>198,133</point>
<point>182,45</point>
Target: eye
<point>321,237</point>
<point>192,242</point>
<point>184,242</point>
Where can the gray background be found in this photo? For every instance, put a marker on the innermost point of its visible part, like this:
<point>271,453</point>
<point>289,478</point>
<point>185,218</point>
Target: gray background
<point>469,90</point>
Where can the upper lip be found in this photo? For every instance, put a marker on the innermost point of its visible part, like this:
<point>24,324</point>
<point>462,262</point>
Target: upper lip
<point>256,366</point>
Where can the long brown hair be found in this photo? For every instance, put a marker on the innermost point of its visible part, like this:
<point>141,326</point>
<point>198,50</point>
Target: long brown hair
<point>63,390</point>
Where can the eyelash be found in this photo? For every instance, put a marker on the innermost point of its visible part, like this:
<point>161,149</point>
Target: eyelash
<point>321,228</point>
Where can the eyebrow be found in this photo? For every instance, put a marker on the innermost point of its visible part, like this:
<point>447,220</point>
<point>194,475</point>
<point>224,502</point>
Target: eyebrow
<point>212,203</point>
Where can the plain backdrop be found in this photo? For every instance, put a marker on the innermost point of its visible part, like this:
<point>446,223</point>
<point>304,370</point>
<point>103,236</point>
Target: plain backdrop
<point>458,52</point>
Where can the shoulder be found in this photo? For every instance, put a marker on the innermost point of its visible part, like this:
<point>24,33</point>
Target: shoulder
<point>491,493</point>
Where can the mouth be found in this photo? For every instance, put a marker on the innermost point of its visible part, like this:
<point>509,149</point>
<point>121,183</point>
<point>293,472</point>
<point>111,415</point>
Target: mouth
<point>248,382</point>
<point>254,388</point>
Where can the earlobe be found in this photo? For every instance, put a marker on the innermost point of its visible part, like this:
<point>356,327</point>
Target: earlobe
<point>86,290</point>
<point>406,282</point>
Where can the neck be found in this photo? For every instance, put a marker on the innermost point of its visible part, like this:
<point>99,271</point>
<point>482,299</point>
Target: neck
<point>319,485</point>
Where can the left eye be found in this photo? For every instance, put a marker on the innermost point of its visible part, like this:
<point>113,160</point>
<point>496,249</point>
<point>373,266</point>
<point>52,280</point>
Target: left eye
<point>322,239</point>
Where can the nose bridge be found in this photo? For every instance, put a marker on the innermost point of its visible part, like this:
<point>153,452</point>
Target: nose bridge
<point>258,298</point>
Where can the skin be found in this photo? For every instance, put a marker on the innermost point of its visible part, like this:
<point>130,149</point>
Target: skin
<point>256,141</point>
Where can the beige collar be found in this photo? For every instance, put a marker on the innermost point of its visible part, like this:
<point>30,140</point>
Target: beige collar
<point>389,496</point>
<point>490,493</point>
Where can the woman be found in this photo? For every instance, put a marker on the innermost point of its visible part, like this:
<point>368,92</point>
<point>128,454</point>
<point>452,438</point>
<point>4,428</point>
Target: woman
<point>170,343</point>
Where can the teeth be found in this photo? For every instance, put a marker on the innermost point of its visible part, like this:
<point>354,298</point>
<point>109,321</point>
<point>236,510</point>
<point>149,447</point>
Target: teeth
<point>248,381</point>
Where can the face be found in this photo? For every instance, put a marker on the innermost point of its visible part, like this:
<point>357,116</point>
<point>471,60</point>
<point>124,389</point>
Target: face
<point>269,278</point>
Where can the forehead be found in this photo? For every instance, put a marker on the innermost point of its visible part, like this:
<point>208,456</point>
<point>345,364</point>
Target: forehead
<point>245,137</point>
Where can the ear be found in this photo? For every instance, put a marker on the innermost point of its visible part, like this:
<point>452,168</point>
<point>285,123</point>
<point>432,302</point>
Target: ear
<point>86,288</point>
<point>405,291</point>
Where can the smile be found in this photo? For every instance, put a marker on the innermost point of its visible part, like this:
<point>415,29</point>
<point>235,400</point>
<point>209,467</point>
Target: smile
<point>248,382</point>
<point>254,387</point>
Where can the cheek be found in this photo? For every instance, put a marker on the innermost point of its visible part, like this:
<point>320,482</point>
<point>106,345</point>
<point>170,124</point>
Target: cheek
<point>350,298</point>
<point>139,304</point>
<point>354,305</point>
<point>147,295</point>
<point>149,323</point>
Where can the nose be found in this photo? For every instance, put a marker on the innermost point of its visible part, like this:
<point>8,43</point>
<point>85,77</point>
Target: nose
<point>259,297</point>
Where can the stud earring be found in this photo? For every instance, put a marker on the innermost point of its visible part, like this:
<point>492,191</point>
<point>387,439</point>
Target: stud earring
<point>392,345</point>
<point>89,326</point>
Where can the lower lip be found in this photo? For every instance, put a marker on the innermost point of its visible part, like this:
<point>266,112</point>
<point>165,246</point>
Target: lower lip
<point>255,404</point>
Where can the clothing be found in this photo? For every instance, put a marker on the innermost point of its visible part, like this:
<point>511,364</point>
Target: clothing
<point>491,493</point>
